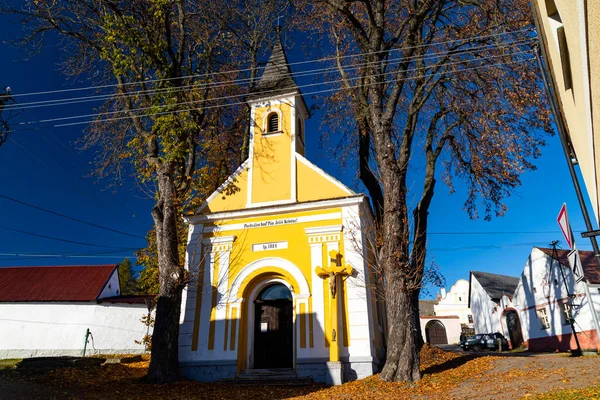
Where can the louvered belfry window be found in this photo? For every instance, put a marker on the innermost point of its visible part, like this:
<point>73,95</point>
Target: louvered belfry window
<point>273,123</point>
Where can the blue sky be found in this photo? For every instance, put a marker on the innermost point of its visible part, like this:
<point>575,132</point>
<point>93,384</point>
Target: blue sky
<point>43,167</point>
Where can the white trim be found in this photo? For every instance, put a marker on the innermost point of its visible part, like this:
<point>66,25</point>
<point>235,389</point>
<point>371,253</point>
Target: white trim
<point>275,262</point>
<point>266,101</point>
<point>227,182</point>
<point>270,203</point>
<point>293,177</point>
<point>272,134</point>
<point>287,208</point>
<point>325,174</point>
<point>268,112</point>
<point>253,126</point>
<point>324,230</point>
<point>298,220</point>
<point>219,239</point>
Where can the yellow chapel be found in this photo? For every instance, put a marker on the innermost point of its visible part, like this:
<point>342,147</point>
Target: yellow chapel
<point>277,260</point>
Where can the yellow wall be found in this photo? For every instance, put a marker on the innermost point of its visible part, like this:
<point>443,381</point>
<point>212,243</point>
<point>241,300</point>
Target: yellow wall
<point>572,101</point>
<point>233,196</point>
<point>271,163</point>
<point>298,252</point>
<point>312,185</point>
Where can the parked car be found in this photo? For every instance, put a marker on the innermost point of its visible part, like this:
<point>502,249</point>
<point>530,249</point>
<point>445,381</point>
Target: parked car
<point>484,341</point>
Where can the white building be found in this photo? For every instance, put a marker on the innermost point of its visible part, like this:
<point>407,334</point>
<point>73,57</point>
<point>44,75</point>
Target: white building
<point>46,311</point>
<point>537,311</point>
<point>455,302</point>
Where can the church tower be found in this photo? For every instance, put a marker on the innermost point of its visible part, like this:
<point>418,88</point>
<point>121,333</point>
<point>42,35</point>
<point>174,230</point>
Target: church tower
<point>278,112</point>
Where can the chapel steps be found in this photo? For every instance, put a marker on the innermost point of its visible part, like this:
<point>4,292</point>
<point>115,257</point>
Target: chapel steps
<point>275,377</point>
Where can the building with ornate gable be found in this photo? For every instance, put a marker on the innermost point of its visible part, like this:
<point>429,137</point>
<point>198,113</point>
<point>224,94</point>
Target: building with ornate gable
<point>277,259</point>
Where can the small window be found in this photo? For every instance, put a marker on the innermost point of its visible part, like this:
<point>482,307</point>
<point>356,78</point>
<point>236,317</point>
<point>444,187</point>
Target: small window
<point>542,315</point>
<point>555,282</point>
<point>470,317</point>
<point>273,123</point>
<point>567,313</point>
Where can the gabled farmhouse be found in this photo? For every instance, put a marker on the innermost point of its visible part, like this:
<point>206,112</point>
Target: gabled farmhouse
<point>539,313</point>
<point>278,259</point>
<point>46,311</point>
<point>486,294</point>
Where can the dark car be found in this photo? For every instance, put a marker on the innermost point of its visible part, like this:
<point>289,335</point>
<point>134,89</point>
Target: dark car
<point>484,341</point>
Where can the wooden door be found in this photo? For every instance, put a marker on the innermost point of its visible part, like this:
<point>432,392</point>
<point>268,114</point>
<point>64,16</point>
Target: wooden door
<point>513,325</point>
<point>436,333</point>
<point>273,334</point>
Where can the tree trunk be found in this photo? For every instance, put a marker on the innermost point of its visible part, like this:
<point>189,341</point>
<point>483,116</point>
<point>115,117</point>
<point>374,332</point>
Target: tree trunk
<point>164,363</point>
<point>403,358</point>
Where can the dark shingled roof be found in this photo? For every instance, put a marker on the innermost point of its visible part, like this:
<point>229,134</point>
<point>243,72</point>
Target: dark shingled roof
<point>426,307</point>
<point>39,284</point>
<point>277,76</point>
<point>591,270</point>
<point>496,285</point>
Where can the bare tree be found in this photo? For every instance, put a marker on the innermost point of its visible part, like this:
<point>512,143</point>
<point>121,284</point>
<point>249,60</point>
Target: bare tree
<point>435,89</point>
<point>7,113</point>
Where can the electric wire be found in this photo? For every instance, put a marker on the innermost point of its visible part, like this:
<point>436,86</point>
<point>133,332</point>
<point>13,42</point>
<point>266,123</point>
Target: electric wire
<point>202,86</point>
<point>55,238</point>
<point>241,103</point>
<point>93,87</point>
<point>69,217</point>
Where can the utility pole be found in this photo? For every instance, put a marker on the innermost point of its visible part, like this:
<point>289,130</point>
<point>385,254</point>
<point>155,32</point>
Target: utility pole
<point>571,319</point>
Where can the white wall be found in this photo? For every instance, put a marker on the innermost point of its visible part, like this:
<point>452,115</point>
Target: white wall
<point>485,318</point>
<point>452,326</point>
<point>53,329</point>
<point>456,302</point>
<point>542,286</point>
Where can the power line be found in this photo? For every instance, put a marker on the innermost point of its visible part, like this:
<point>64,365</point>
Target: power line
<point>240,103</point>
<point>70,218</point>
<point>109,96</point>
<point>269,91</point>
<point>295,63</point>
<point>55,238</point>
<point>96,254</point>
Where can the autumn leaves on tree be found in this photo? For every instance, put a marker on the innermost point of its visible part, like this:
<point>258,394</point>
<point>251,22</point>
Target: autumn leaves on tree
<point>428,90</point>
<point>433,89</point>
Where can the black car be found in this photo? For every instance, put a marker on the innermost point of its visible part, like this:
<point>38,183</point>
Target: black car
<point>484,341</point>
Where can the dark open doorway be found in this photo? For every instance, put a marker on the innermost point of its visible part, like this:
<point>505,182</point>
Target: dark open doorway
<point>513,325</point>
<point>273,328</point>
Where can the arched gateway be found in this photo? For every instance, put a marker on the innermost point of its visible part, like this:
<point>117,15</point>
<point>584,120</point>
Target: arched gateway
<point>277,259</point>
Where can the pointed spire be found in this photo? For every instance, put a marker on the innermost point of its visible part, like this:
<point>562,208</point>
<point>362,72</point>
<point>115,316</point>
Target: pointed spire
<point>277,76</point>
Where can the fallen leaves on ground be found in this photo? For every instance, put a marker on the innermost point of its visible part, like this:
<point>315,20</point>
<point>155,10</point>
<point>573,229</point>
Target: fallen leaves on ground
<point>446,375</point>
<point>442,371</point>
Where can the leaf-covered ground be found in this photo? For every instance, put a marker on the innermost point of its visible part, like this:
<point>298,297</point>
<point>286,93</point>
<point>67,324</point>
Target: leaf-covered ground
<point>446,375</point>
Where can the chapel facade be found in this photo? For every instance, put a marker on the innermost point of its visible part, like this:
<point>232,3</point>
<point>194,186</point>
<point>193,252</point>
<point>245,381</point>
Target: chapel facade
<point>277,259</point>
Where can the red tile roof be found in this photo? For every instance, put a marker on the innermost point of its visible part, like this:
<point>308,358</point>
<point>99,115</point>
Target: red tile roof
<point>591,269</point>
<point>69,283</point>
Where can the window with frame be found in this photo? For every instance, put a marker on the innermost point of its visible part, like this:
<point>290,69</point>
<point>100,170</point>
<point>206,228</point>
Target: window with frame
<point>273,123</point>
<point>470,318</point>
<point>567,313</point>
<point>542,315</point>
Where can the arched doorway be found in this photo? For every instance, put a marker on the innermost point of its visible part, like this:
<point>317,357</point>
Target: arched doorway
<point>273,328</point>
<point>513,325</point>
<point>435,333</point>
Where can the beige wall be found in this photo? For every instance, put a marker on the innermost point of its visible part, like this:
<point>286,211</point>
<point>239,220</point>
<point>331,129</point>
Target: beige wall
<point>575,103</point>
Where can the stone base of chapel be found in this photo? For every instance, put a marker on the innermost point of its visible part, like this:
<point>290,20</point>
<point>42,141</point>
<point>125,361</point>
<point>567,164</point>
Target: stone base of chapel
<point>316,369</point>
